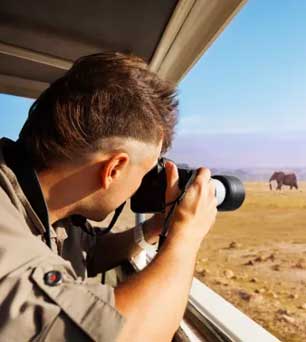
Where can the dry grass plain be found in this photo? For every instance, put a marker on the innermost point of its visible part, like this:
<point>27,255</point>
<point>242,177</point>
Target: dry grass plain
<point>255,257</point>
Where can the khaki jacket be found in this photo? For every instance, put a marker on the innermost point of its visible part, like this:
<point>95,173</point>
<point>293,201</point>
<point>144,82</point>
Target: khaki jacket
<point>37,303</point>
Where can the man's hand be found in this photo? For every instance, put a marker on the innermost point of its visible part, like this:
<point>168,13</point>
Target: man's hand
<point>197,210</point>
<point>196,213</point>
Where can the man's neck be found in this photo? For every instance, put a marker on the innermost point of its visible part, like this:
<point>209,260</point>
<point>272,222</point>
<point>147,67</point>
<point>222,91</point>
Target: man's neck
<point>53,193</point>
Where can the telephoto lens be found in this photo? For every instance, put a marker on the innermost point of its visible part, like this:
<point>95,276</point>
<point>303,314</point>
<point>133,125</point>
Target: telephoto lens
<point>230,192</point>
<point>150,197</point>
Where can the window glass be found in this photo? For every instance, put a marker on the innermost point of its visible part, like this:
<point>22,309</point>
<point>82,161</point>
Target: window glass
<point>243,113</point>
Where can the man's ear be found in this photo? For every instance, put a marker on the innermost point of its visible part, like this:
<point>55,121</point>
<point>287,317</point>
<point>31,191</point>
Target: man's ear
<point>112,168</point>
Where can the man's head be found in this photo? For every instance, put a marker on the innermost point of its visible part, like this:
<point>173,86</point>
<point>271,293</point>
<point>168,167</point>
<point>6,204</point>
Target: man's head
<point>97,130</point>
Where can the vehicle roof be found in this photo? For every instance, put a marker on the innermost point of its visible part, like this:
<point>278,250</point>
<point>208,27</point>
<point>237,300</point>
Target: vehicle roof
<point>39,40</point>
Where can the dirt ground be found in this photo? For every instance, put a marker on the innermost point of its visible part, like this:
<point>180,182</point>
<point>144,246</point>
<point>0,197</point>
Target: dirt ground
<point>255,257</point>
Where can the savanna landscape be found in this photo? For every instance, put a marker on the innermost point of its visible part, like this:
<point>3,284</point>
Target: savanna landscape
<point>255,257</point>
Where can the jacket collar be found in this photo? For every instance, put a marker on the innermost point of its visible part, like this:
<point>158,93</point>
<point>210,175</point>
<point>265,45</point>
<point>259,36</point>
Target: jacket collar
<point>17,160</point>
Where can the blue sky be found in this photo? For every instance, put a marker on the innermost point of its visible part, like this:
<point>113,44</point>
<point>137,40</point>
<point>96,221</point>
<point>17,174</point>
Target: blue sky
<point>13,113</point>
<point>254,75</point>
<point>244,103</point>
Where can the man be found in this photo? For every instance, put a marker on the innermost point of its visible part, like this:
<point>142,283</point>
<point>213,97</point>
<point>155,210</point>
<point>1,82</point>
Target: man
<point>84,149</point>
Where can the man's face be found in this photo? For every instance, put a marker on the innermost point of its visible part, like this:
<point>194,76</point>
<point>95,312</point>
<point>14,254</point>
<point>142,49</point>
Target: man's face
<point>127,182</point>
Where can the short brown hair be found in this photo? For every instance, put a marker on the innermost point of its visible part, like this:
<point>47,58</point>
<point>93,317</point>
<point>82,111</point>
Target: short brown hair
<point>109,94</point>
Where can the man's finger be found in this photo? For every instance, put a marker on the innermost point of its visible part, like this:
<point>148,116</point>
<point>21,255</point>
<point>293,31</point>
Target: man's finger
<point>204,174</point>
<point>172,180</point>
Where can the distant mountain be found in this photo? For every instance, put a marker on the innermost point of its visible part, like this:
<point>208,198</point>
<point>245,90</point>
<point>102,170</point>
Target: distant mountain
<point>258,174</point>
<point>252,174</point>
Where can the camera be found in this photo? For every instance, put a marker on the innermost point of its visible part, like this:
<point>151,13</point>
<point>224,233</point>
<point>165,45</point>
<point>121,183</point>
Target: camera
<point>150,196</point>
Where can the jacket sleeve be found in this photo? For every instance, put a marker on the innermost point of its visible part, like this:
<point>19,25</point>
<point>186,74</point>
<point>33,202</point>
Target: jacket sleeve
<point>35,304</point>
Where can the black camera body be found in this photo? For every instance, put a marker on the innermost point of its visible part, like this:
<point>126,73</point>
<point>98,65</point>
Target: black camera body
<point>150,197</point>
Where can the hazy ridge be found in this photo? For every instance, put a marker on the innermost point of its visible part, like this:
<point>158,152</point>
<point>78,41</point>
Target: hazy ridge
<point>256,174</point>
<point>260,174</point>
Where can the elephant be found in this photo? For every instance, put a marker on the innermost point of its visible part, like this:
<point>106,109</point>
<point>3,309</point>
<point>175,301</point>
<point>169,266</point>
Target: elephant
<point>284,179</point>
